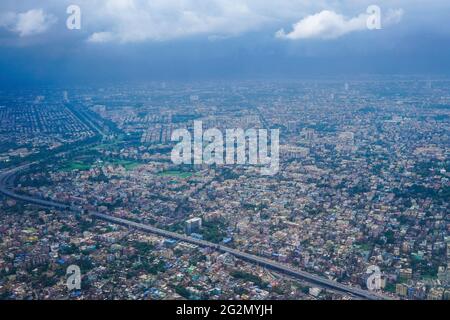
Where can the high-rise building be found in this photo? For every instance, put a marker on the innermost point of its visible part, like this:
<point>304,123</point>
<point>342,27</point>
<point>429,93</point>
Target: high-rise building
<point>193,225</point>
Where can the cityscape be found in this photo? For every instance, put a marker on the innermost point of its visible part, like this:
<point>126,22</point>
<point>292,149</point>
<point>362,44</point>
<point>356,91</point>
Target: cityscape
<point>225,152</point>
<point>363,180</point>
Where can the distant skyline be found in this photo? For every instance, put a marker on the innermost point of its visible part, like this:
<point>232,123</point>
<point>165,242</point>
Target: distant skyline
<point>131,40</point>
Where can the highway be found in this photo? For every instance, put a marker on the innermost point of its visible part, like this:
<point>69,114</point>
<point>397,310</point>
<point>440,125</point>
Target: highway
<point>267,263</point>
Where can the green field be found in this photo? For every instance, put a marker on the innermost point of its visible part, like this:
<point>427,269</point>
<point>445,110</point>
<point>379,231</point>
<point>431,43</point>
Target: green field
<point>176,174</point>
<point>109,144</point>
<point>77,166</point>
<point>128,165</point>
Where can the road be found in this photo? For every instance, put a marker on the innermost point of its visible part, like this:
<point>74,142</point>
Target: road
<point>270,264</point>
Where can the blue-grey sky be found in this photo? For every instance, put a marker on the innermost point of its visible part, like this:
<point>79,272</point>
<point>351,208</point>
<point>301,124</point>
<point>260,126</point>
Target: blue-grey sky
<point>201,39</point>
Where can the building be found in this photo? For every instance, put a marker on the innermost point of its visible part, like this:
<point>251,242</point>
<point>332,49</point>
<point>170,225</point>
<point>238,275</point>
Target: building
<point>193,226</point>
<point>294,152</point>
<point>436,294</point>
<point>444,275</point>
<point>401,289</point>
<point>406,273</point>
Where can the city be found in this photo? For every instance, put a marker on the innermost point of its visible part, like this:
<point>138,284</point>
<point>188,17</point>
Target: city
<point>224,157</point>
<point>363,180</point>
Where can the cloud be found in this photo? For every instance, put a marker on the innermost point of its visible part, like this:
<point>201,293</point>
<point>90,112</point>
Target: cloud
<point>324,25</point>
<point>101,37</point>
<point>31,22</point>
<point>330,25</point>
<point>138,21</point>
<point>127,21</point>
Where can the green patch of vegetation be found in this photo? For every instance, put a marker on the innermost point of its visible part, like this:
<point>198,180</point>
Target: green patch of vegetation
<point>176,174</point>
<point>249,277</point>
<point>390,236</point>
<point>127,164</point>
<point>108,145</point>
<point>213,231</point>
<point>154,268</point>
<point>182,291</point>
<point>143,247</point>
<point>418,191</point>
<point>364,246</point>
<point>77,166</point>
<point>83,166</point>
<point>390,288</point>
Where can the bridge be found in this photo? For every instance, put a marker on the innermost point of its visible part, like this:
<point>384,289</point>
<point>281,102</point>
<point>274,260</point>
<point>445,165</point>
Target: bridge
<point>5,181</point>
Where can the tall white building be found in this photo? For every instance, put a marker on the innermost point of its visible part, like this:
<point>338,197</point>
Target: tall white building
<point>193,225</point>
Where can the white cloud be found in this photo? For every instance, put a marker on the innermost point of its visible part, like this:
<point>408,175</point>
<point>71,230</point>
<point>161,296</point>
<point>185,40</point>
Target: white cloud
<point>101,37</point>
<point>330,25</point>
<point>126,21</point>
<point>137,21</point>
<point>28,23</point>
<point>324,25</point>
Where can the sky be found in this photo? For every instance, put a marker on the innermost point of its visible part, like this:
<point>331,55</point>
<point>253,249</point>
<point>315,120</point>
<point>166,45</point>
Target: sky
<point>134,40</point>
